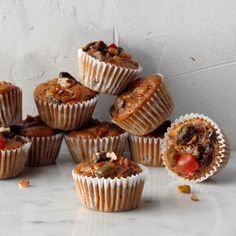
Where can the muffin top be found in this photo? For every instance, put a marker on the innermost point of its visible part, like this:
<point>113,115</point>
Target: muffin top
<point>64,89</point>
<point>108,165</point>
<point>8,139</point>
<point>110,54</point>
<point>6,87</point>
<point>192,147</point>
<point>138,93</point>
<point>97,129</point>
<point>34,127</point>
<point>160,131</point>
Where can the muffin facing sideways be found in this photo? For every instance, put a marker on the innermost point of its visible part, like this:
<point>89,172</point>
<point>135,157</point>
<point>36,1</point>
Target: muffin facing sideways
<point>95,137</point>
<point>109,183</point>
<point>106,69</point>
<point>194,148</point>
<point>63,103</point>
<point>46,142</point>
<point>146,149</point>
<point>10,104</point>
<point>14,152</point>
<point>145,105</point>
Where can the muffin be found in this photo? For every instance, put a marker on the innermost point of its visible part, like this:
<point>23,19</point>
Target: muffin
<point>146,149</point>
<point>194,148</point>
<point>145,105</point>
<point>63,103</point>
<point>109,183</point>
<point>14,152</point>
<point>46,142</point>
<point>95,137</point>
<point>10,104</point>
<point>106,69</point>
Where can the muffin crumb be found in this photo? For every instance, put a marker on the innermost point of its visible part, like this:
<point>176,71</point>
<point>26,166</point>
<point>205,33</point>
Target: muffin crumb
<point>194,197</point>
<point>184,188</point>
<point>24,183</point>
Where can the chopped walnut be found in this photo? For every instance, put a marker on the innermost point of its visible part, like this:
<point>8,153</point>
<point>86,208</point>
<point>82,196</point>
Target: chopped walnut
<point>194,197</point>
<point>111,155</point>
<point>184,188</point>
<point>24,183</point>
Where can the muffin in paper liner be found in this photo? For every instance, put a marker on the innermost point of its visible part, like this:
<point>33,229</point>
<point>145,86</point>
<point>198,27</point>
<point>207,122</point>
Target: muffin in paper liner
<point>218,163</point>
<point>66,116</point>
<point>152,114</point>
<point>110,195</point>
<point>44,150</point>
<point>11,108</point>
<point>146,150</point>
<point>104,77</point>
<point>13,162</point>
<point>82,149</point>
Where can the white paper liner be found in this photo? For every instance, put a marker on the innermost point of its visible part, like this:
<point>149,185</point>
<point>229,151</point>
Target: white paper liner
<point>44,150</point>
<point>146,150</point>
<point>11,108</point>
<point>110,195</point>
<point>218,162</point>
<point>66,116</point>
<point>104,77</point>
<point>82,149</point>
<point>13,162</point>
<point>151,115</point>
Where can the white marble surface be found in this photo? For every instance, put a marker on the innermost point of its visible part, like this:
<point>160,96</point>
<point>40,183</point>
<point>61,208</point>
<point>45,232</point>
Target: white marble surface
<point>50,206</point>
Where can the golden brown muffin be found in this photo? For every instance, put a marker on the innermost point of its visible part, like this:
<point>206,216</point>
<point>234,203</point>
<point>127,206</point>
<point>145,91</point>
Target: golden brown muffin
<point>108,165</point>
<point>34,127</point>
<point>97,129</point>
<point>65,89</point>
<point>6,87</point>
<point>110,54</point>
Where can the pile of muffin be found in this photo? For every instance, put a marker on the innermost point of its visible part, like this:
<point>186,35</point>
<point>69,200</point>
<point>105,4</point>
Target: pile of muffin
<point>192,148</point>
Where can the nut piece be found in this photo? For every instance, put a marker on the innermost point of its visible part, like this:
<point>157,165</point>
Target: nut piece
<point>184,188</point>
<point>24,183</point>
<point>112,156</point>
<point>194,197</point>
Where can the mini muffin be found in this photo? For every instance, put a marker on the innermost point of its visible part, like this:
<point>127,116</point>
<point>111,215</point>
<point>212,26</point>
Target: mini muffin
<point>145,105</point>
<point>106,69</point>
<point>46,142</point>
<point>63,103</point>
<point>109,183</point>
<point>10,104</point>
<point>95,137</point>
<point>146,149</point>
<point>14,152</point>
<point>194,148</point>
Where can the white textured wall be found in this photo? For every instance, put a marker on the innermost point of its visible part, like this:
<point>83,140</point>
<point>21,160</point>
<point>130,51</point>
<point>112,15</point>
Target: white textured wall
<point>193,43</point>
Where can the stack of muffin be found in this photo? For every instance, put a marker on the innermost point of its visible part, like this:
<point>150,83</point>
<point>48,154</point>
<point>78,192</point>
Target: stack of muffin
<point>193,147</point>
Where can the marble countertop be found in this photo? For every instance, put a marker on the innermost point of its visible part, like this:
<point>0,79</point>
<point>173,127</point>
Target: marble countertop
<point>50,206</point>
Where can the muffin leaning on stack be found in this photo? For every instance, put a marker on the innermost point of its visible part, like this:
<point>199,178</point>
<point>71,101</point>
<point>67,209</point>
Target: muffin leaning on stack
<point>63,103</point>
<point>95,137</point>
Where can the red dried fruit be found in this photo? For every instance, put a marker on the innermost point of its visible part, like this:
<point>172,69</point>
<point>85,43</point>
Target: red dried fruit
<point>113,45</point>
<point>2,144</point>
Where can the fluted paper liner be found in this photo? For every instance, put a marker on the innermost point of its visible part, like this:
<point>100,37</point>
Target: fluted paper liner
<point>151,115</point>
<point>13,162</point>
<point>44,150</point>
<point>66,116</point>
<point>218,163</point>
<point>146,150</point>
<point>110,195</point>
<point>82,149</point>
<point>104,77</point>
<point>11,108</point>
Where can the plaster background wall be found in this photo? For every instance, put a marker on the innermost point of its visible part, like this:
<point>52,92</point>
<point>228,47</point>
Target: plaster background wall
<point>193,43</point>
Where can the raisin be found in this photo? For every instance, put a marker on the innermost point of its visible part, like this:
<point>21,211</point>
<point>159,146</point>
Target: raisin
<point>185,134</point>
<point>66,75</point>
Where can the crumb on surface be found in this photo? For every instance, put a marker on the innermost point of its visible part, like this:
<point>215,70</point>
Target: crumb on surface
<point>24,183</point>
<point>194,197</point>
<point>184,188</point>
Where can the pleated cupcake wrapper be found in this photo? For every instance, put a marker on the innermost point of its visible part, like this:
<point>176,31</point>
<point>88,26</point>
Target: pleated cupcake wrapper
<point>66,116</point>
<point>11,108</point>
<point>104,77</point>
<point>44,150</point>
<point>146,150</point>
<point>110,195</point>
<point>82,149</point>
<point>219,162</point>
<point>151,115</point>
<point>13,162</point>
